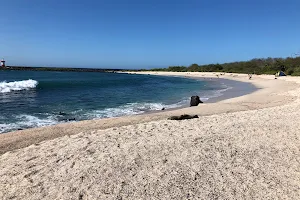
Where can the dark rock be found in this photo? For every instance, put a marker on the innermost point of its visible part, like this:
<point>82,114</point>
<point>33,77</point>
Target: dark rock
<point>195,100</point>
<point>62,113</point>
<point>163,109</point>
<point>67,120</point>
<point>181,117</point>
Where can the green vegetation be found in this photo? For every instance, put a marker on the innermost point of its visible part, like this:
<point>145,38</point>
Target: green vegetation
<point>291,66</point>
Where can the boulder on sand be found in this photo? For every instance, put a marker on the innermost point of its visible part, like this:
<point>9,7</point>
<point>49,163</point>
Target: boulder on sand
<point>195,100</point>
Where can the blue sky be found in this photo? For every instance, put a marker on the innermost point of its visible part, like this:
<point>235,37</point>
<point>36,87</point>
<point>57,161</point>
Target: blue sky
<point>146,33</point>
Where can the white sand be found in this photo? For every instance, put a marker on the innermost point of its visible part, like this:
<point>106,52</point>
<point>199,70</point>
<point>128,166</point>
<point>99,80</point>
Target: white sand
<point>242,148</point>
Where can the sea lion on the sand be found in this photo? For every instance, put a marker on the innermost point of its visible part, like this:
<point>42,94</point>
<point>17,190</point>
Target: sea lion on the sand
<point>195,100</point>
<point>181,117</point>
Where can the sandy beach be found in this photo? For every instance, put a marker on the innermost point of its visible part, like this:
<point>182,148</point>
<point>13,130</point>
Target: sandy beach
<point>246,147</point>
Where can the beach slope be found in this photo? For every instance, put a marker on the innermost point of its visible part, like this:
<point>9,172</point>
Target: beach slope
<point>242,148</point>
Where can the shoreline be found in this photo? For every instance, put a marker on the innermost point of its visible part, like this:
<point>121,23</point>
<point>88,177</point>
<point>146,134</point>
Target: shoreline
<point>227,89</point>
<point>23,138</point>
<point>246,147</point>
<point>234,89</point>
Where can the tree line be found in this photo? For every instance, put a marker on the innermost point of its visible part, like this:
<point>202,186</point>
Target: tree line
<point>291,66</point>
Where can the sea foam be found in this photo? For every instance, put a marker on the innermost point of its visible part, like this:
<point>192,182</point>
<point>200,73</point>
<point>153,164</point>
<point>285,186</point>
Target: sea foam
<point>17,85</point>
<point>129,109</point>
<point>27,121</point>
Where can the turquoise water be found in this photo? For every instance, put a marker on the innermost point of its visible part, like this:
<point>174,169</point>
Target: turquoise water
<point>34,98</point>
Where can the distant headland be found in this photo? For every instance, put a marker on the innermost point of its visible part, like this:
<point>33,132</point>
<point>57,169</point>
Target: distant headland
<point>289,65</point>
<point>61,69</point>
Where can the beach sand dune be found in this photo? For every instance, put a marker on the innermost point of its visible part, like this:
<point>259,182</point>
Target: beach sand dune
<point>252,154</point>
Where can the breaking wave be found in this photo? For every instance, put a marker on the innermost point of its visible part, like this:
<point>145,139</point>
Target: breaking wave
<point>6,87</point>
<point>129,109</point>
<point>26,121</point>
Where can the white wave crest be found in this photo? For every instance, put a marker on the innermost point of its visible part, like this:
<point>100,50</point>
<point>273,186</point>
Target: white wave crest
<point>215,93</point>
<point>27,121</point>
<point>17,85</point>
<point>130,109</point>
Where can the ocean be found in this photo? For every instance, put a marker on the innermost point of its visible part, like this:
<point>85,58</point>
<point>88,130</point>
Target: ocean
<point>39,98</point>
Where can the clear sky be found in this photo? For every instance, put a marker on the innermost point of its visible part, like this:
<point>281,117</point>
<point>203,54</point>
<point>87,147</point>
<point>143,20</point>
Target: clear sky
<point>146,33</point>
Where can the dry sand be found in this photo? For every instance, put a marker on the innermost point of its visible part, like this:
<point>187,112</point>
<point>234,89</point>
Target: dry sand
<point>242,148</point>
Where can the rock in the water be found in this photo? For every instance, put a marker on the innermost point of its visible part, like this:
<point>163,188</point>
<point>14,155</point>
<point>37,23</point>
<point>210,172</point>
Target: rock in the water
<point>163,109</point>
<point>67,120</point>
<point>195,100</point>
<point>181,117</point>
<point>62,113</point>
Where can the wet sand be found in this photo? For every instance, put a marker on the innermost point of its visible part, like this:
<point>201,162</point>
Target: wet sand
<point>246,147</point>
